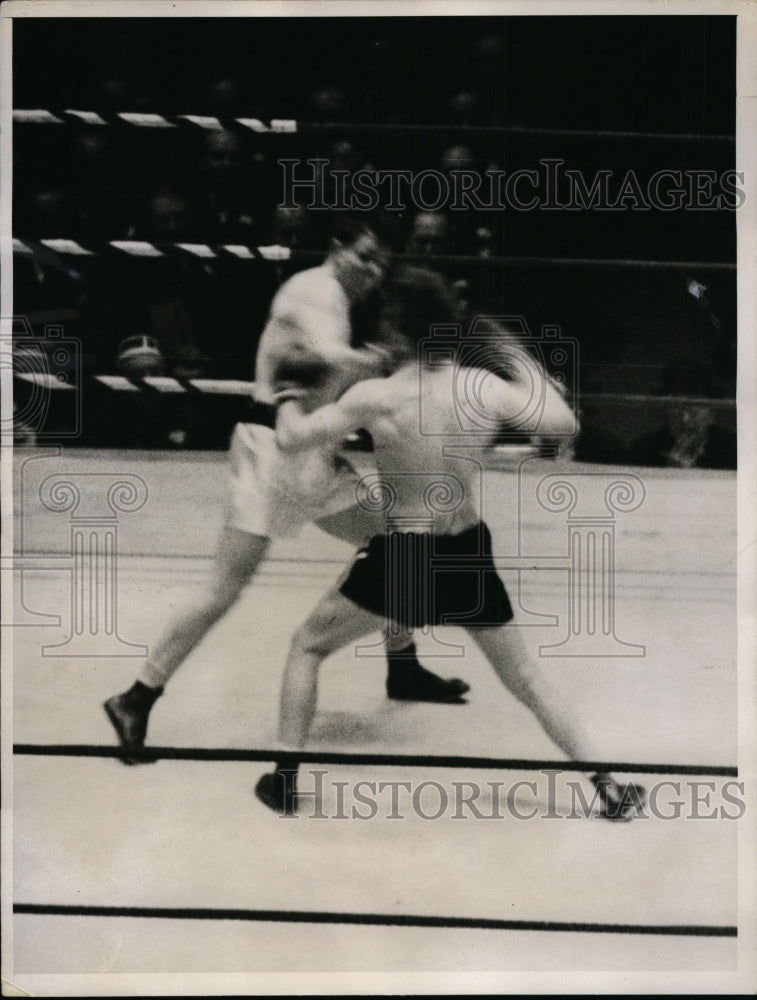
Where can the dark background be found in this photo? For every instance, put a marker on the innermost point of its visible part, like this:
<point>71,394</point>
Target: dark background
<point>638,330</point>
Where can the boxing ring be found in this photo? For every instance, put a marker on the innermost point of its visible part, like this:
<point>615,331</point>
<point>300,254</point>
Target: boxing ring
<point>186,841</point>
<point>176,865</point>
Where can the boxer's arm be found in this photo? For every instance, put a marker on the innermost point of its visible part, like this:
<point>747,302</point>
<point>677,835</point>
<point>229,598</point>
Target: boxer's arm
<point>533,407</point>
<point>297,430</point>
<point>355,362</point>
<point>310,336</point>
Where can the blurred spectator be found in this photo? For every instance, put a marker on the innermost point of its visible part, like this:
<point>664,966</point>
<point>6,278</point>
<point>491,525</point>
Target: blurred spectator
<point>690,438</point>
<point>166,309</point>
<point>223,161</point>
<point>470,231</point>
<point>130,419</point>
<point>203,314</point>
<point>461,291</point>
<point>328,104</point>
<point>484,65</point>
<point>118,93</point>
<point>336,161</point>
<point>226,99</point>
<point>52,213</point>
<point>486,52</point>
<point>97,185</point>
<point>343,158</point>
<point>464,109</point>
<point>115,94</point>
<point>482,95</point>
<point>290,226</point>
<point>429,234</point>
<point>124,85</point>
<point>651,334</point>
<point>92,149</point>
<point>483,240</point>
<point>139,356</point>
<point>226,213</point>
<point>704,362</point>
<point>343,155</point>
<point>457,157</point>
<point>175,422</point>
<point>234,188</point>
<point>296,228</point>
<point>168,217</point>
<point>172,321</point>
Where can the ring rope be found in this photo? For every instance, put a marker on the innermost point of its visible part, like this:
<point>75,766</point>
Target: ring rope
<point>44,116</point>
<point>369,919</point>
<point>240,387</point>
<point>151,251</point>
<point>645,399</point>
<point>296,757</point>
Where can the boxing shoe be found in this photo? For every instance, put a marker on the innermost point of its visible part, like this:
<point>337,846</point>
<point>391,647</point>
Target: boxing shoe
<point>278,791</point>
<point>619,803</point>
<point>409,681</point>
<point>128,714</point>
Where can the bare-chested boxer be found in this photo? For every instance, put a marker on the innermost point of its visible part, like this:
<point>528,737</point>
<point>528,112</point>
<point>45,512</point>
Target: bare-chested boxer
<point>274,494</point>
<point>413,572</point>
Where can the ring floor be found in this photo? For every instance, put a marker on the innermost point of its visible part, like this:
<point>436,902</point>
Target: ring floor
<point>190,834</point>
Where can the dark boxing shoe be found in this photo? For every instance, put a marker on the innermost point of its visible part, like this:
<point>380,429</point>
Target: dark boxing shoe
<point>128,714</point>
<point>278,791</point>
<point>414,683</point>
<point>619,803</point>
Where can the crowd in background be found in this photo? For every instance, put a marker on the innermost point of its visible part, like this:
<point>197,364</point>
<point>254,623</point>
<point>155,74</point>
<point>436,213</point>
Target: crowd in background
<point>658,332</point>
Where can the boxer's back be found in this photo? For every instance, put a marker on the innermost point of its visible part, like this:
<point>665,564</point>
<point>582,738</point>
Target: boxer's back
<point>421,455</point>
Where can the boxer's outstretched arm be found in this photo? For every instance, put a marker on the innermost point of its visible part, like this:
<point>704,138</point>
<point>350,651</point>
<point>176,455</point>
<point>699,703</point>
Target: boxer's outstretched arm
<point>532,407</point>
<point>297,430</point>
<point>301,335</point>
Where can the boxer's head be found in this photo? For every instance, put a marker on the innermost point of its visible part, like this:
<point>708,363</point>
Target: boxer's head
<point>360,253</point>
<point>416,301</point>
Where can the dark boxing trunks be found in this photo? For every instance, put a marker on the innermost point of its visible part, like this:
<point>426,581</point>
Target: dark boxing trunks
<point>426,579</point>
